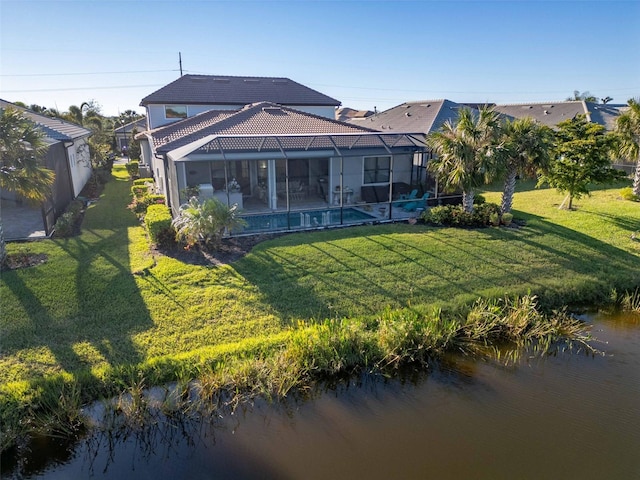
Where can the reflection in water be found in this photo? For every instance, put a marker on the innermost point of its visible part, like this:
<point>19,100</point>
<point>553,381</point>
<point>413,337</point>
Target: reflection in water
<point>564,416</point>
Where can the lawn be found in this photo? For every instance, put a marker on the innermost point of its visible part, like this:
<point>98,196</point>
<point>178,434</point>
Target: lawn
<point>103,302</point>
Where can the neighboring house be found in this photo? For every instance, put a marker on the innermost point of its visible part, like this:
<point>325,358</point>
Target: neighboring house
<point>424,116</point>
<point>552,113</point>
<point>286,168</point>
<point>68,156</point>
<point>421,116</point>
<point>123,133</point>
<point>190,95</point>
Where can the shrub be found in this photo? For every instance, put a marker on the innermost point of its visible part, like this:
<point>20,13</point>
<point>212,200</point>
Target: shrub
<point>143,181</point>
<point>139,191</point>
<point>141,203</point>
<point>627,194</point>
<point>205,223</point>
<point>479,199</point>
<point>455,216</point>
<point>64,225</point>
<point>133,169</point>
<point>158,222</point>
<point>507,218</point>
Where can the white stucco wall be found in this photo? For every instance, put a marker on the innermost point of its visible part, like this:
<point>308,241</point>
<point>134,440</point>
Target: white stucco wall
<point>156,113</point>
<point>79,164</point>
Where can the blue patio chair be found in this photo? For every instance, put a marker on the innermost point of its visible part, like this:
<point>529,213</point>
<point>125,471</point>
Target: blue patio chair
<point>411,196</point>
<point>420,203</point>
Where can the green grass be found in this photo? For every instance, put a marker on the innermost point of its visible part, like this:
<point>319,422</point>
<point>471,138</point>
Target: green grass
<point>102,307</point>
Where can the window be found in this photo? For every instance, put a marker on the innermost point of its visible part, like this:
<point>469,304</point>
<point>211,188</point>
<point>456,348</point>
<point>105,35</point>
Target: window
<point>377,169</point>
<point>175,111</point>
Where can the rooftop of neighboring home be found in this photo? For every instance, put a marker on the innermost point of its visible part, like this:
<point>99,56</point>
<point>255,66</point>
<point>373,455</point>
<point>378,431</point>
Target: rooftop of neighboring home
<point>224,90</point>
<point>263,118</point>
<point>55,129</point>
<point>345,114</point>
<point>140,125</point>
<point>552,113</point>
<point>422,116</point>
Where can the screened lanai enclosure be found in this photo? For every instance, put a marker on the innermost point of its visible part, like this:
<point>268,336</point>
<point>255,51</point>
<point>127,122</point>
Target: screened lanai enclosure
<point>301,182</point>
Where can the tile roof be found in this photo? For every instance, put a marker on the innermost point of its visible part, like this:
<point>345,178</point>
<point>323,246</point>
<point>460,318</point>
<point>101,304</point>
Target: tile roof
<point>54,129</point>
<point>422,116</point>
<point>230,90</point>
<point>258,119</point>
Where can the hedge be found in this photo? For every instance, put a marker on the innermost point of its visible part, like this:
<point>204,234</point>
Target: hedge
<point>158,223</point>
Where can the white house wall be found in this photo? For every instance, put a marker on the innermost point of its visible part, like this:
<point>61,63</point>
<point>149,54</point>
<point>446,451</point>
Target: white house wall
<point>156,117</point>
<point>79,164</point>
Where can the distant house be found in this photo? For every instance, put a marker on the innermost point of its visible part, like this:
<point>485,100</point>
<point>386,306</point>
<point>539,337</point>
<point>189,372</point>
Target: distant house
<point>344,114</point>
<point>286,168</point>
<point>124,132</point>
<point>68,156</point>
<point>552,113</point>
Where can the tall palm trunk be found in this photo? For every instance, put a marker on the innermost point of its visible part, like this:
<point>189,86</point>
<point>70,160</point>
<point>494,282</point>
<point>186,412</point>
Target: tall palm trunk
<point>509,189</point>
<point>636,179</point>
<point>467,200</point>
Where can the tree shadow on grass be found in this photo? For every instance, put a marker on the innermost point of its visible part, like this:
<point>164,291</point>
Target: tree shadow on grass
<point>107,311</point>
<point>83,308</point>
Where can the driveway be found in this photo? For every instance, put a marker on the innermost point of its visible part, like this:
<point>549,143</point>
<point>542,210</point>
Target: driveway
<point>20,222</point>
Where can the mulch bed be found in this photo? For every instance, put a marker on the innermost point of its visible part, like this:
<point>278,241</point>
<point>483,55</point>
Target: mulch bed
<point>229,250</point>
<point>24,260</point>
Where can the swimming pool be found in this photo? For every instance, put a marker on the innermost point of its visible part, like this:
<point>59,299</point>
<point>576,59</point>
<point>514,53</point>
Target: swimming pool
<point>302,220</point>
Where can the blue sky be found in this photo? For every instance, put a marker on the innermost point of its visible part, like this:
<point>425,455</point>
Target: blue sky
<point>365,54</point>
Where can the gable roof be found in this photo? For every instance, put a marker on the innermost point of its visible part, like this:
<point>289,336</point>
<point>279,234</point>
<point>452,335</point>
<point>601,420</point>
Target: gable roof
<point>226,90</point>
<point>420,116</point>
<point>263,118</point>
<point>55,129</point>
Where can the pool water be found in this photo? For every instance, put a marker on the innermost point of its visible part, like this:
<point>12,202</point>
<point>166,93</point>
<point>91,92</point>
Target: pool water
<point>306,219</point>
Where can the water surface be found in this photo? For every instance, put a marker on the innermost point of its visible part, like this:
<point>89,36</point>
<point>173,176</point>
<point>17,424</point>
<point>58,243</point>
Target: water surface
<point>565,416</point>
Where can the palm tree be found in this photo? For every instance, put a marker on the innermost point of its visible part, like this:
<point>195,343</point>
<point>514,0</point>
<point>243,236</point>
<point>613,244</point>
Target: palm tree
<point>91,118</point>
<point>205,223</point>
<point>525,149</point>
<point>628,129</point>
<point>466,151</point>
<point>21,146</point>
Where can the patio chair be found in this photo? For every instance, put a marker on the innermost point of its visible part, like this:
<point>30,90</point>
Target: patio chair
<point>410,196</point>
<point>414,205</point>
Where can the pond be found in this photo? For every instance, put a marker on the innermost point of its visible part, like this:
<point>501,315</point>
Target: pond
<point>564,416</point>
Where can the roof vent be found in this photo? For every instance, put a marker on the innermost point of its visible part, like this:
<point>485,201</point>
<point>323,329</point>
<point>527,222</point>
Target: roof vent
<point>546,112</point>
<point>221,80</point>
<point>527,107</point>
<point>407,114</point>
<point>251,80</point>
<point>280,80</point>
<point>273,110</point>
